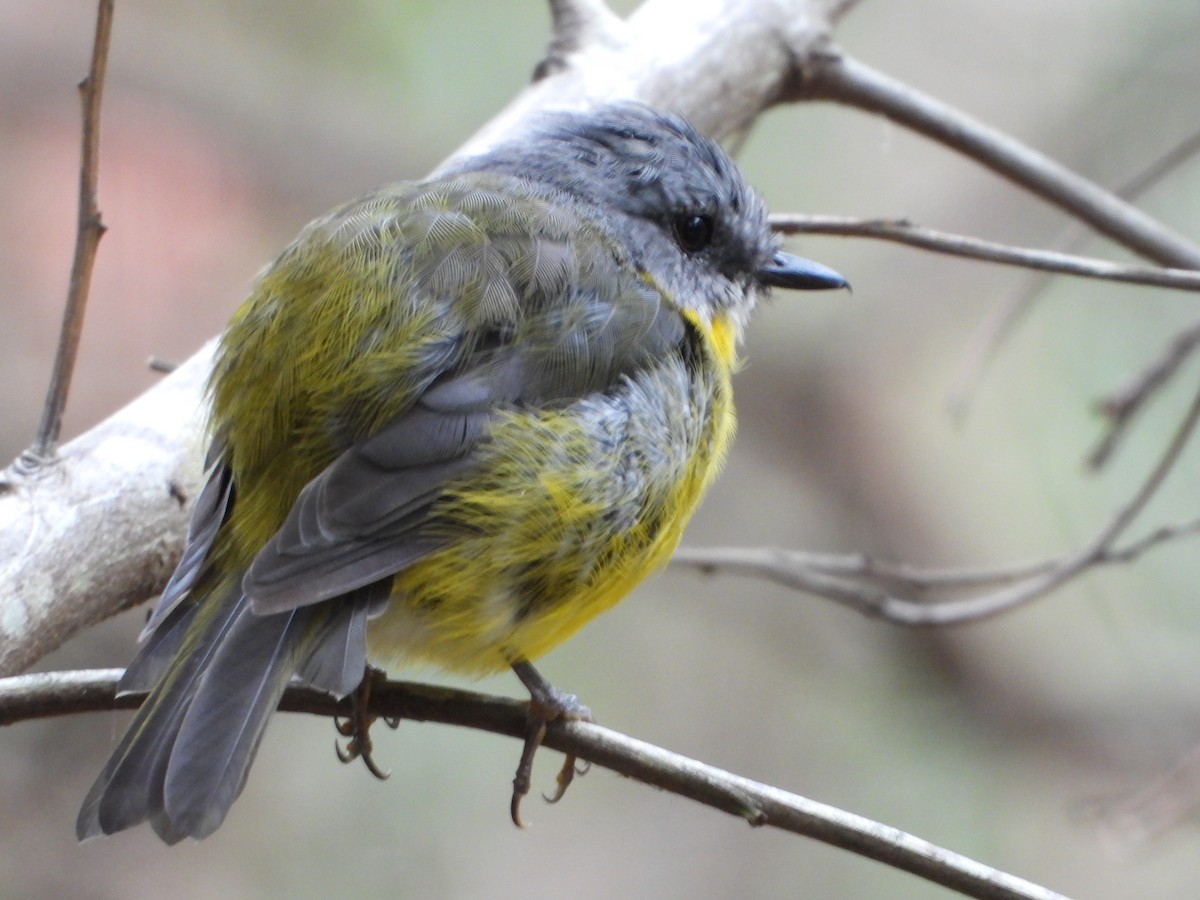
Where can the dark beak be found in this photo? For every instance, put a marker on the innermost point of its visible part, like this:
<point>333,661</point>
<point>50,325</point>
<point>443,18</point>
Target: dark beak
<point>788,271</point>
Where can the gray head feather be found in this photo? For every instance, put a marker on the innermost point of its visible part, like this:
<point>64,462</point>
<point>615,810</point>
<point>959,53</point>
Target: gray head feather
<point>673,199</point>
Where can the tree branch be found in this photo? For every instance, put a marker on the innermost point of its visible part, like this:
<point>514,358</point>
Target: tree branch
<point>903,231</point>
<point>1002,320</point>
<point>60,693</point>
<point>1122,406</point>
<point>869,587</point>
<point>89,230</point>
<point>843,79</point>
<point>100,530</point>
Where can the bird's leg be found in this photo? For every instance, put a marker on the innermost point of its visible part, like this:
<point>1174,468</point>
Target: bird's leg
<point>357,727</point>
<point>546,704</point>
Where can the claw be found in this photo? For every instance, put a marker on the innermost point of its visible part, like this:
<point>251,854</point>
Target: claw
<point>535,732</point>
<point>546,704</point>
<point>570,768</point>
<point>357,727</point>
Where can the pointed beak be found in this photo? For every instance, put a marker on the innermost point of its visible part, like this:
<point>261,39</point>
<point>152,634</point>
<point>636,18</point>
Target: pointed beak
<point>788,271</point>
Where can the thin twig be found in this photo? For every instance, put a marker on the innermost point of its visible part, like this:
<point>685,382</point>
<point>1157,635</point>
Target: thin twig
<point>61,693</point>
<point>790,566</point>
<point>1002,320</point>
<point>1122,406</point>
<point>847,573</point>
<point>843,79</point>
<point>1161,535</point>
<point>903,231</point>
<point>865,586</point>
<point>87,238</point>
<point>1160,168</point>
<point>796,568</point>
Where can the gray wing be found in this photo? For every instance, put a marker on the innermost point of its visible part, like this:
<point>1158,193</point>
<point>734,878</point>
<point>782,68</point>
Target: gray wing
<point>362,518</point>
<point>567,320</point>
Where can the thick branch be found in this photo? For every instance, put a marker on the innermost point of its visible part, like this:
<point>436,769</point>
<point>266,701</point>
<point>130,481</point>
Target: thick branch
<point>100,529</point>
<point>61,693</point>
<point>718,62</point>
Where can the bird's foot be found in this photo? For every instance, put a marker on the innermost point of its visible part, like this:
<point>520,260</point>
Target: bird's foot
<point>357,726</point>
<point>546,704</point>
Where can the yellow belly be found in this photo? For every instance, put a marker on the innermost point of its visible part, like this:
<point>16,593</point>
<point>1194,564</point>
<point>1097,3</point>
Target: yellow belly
<point>569,512</point>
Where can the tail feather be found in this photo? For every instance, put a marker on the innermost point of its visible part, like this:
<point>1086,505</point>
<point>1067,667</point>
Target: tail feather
<point>129,786</point>
<point>220,734</point>
<point>185,758</point>
<point>157,653</point>
<point>339,657</point>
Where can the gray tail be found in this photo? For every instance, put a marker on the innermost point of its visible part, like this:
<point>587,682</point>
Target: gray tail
<point>220,672</point>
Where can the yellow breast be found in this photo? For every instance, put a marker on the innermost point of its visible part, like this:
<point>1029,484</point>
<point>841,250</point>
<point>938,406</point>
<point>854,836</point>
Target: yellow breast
<point>569,511</point>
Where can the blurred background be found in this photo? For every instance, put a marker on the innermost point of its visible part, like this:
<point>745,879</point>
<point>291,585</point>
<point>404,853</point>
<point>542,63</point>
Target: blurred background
<point>1019,742</point>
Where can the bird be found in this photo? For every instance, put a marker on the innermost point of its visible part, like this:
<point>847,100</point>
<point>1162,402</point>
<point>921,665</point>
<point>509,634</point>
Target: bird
<point>454,421</point>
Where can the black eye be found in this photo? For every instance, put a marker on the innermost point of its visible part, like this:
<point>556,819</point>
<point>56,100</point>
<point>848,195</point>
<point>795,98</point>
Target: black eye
<point>693,232</point>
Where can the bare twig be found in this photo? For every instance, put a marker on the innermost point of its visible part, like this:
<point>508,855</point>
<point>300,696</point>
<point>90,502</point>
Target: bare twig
<point>1122,406</point>
<point>1161,535</point>
<point>812,572</point>
<point>60,693</point>
<point>843,79</point>
<point>87,238</point>
<point>903,231</point>
<point>867,586</point>
<point>1160,168</point>
<point>68,561</point>
<point>1001,321</point>
<point>801,570</point>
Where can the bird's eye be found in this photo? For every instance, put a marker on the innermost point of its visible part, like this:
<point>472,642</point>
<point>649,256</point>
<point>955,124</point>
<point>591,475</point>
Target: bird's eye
<point>693,232</point>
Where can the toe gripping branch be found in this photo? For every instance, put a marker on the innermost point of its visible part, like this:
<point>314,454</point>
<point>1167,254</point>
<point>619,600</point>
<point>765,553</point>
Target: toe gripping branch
<point>357,726</point>
<point>546,704</point>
